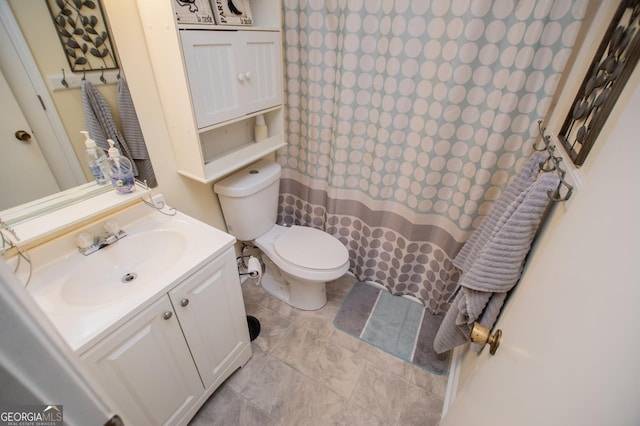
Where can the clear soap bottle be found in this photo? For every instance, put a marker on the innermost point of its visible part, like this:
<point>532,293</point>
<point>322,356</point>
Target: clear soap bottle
<point>121,170</point>
<point>97,160</point>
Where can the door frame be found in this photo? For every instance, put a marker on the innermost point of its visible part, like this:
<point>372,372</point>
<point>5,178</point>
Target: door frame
<point>34,99</point>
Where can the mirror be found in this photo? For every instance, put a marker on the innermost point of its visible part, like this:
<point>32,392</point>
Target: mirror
<point>64,155</point>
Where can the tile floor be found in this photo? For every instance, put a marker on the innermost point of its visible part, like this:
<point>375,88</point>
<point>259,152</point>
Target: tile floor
<point>304,371</point>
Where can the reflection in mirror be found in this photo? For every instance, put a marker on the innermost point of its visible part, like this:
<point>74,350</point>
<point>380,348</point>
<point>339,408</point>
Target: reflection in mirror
<point>19,214</point>
<point>61,148</point>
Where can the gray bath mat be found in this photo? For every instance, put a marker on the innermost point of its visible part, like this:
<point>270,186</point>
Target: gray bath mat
<point>394,324</point>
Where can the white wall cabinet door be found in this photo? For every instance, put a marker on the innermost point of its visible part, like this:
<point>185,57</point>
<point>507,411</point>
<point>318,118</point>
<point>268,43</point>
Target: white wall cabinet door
<point>146,368</point>
<point>263,82</point>
<point>211,312</point>
<point>210,58</point>
<point>232,73</point>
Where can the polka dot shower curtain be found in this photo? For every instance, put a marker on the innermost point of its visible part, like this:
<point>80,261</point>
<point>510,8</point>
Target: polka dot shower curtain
<point>406,119</point>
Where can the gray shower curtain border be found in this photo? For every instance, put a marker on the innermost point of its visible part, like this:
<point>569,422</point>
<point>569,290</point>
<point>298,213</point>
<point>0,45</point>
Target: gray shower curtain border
<point>382,219</point>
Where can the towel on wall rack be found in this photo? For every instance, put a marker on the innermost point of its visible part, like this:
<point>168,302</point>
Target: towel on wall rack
<point>493,263</point>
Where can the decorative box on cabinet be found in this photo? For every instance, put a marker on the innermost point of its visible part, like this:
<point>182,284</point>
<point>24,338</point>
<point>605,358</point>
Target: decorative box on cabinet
<point>160,367</point>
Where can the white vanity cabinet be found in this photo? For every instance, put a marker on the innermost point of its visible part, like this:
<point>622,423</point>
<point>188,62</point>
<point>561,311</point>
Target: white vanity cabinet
<point>232,73</point>
<point>210,310</point>
<point>160,366</point>
<point>146,369</point>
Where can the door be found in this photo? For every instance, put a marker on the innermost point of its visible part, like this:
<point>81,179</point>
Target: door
<point>146,369</point>
<point>211,312</point>
<point>24,172</point>
<point>569,352</point>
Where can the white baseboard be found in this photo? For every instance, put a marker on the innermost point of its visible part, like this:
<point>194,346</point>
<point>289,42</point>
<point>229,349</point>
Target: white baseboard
<point>452,382</point>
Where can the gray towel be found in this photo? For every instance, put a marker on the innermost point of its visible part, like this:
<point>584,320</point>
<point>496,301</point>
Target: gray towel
<point>133,135</point>
<point>525,177</point>
<point>496,265</point>
<point>100,122</point>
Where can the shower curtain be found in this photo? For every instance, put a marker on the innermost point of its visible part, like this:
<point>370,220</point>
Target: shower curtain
<point>406,119</point>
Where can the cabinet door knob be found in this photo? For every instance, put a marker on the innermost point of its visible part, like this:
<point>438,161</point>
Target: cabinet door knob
<point>167,315</point>
<point>240,77</point>
<point>248,75</point>
<point>184,302</point>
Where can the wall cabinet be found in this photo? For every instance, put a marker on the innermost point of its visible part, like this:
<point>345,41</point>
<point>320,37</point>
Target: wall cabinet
<point>164,363</point>
<point>213,81</point>
<point>232,73</point>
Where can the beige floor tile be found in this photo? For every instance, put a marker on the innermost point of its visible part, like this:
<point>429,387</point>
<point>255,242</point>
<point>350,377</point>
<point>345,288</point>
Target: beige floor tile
<point>357,416</point>
<point>313,404</point>
<point>300,348</point>
<point>420,409</point>
<point>337,368</point>
<point>225,407</point>
<point>306,372</point>
<point>381,393</point>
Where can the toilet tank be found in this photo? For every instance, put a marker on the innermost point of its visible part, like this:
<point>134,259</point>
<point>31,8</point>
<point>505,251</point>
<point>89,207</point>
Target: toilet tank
<point>249,199</point>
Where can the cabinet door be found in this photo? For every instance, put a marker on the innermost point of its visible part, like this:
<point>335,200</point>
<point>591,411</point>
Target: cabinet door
<point>210,58</point>
<point>146,368</point>
<point>211,312</point>
<point>263,62</point>
<point>232,73</point>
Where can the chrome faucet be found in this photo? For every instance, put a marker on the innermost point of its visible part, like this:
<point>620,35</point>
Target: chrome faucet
<point>88,244</point>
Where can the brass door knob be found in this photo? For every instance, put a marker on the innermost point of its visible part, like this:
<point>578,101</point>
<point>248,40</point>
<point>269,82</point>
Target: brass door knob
<point>481,335</point>
<point>23,136</point>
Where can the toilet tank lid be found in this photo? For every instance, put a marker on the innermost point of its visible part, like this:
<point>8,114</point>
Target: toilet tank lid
<point>249,180</point>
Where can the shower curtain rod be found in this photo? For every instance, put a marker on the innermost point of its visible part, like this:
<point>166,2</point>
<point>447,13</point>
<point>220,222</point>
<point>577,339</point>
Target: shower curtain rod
<point>553,164</point>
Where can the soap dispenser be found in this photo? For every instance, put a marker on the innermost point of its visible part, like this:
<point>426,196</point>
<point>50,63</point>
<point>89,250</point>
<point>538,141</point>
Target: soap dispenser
<point>97,160</point>
<point>121,170</point>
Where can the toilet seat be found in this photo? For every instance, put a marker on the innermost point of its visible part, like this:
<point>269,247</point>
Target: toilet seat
<point>310,248</point>
<point>305,252</point>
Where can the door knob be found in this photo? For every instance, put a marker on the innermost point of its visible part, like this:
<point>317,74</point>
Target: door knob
<point>23,136</point>
<point>481,335</point>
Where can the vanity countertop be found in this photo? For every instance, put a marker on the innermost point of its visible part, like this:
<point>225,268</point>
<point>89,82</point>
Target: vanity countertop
<point>87,297</point>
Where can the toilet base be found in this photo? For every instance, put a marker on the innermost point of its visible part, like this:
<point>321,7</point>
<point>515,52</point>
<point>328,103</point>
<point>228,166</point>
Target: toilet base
<point>301,294</point>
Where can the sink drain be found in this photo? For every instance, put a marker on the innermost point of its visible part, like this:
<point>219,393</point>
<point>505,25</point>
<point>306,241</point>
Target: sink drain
<point>127,278</point>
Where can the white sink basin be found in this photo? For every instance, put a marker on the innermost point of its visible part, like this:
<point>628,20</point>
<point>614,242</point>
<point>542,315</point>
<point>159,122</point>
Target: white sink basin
<point>85,296</point>
<point>124,267</point>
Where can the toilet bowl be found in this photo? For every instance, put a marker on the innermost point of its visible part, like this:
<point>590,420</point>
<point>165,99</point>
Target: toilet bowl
<point>299,260</point>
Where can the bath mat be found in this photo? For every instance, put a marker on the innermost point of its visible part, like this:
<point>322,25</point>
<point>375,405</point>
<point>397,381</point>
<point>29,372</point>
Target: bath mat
<point>396,325</point>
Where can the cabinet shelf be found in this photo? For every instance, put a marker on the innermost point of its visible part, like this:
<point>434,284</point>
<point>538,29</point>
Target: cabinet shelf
<point>239,119</point>
<point>226,163</point>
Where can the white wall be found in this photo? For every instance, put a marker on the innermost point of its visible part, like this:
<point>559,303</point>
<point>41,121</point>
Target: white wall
<point>190,197</point>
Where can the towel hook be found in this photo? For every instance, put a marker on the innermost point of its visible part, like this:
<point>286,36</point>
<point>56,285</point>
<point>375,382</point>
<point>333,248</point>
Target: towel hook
<point>64,79</point>
<point>102,79</point>
<point>84,75</point>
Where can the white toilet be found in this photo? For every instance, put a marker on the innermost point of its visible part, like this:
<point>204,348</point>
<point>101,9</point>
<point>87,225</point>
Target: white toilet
<point>299,260</point>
